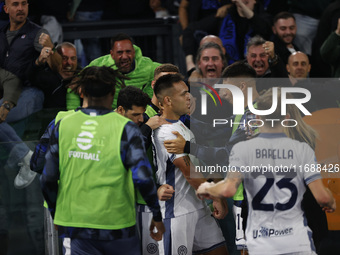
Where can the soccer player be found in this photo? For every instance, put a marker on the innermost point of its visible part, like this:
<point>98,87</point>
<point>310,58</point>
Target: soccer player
<point>183,211</point>
<point>94,160</point>
<point>275,217</point>
<point>152,121</point>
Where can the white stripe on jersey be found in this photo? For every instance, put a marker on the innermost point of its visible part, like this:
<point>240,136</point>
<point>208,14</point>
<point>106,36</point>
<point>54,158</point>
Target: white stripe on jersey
<point>184,200</point>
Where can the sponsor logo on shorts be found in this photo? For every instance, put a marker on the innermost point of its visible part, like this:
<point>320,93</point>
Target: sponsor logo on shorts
<point>182,250</point>
<point>152,248</point>
<point>272,232</point>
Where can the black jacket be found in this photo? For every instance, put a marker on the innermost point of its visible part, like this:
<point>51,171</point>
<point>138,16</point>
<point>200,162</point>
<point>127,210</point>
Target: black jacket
<point>20,54</point>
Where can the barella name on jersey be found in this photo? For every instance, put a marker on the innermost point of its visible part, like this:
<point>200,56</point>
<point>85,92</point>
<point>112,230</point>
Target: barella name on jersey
<point>274,153</point>
<point>272,232</point>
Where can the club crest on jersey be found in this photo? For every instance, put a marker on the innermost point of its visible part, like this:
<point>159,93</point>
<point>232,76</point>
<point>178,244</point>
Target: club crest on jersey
<point>152,248</point>
<point>182,250</point>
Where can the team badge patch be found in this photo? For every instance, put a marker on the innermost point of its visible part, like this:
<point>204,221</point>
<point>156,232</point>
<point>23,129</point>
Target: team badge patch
<point>182,250</point>
<point>152,248</point>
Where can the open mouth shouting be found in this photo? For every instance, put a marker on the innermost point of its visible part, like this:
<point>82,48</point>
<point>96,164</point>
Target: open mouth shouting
<point>211,72</point>
<point>259,67</point>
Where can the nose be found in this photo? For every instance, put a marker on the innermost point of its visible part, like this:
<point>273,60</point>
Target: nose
<point>210,61</point>
<point>124,55</point>
<point>20,7</point>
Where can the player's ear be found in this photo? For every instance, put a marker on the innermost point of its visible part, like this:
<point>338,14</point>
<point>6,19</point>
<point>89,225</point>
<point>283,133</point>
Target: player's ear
<point>121,110</point>
<point>243,86</point>
<point>167,100</point>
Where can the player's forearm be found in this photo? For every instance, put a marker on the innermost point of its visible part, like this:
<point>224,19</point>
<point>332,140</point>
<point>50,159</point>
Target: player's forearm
<point>322,195</point>
<point>195,182</point>
<point>217,190</point>
<point>195,179</point>
<point>226,187</point>
<point>327,200</point>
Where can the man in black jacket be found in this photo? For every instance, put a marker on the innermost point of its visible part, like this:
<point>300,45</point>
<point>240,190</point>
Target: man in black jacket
<point>53,76</point>
<point>284,30</point>
<point>261,56</point>
<point>20,44</point>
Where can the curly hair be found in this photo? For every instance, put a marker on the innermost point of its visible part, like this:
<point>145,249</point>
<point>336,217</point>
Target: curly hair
<point>98,81</point>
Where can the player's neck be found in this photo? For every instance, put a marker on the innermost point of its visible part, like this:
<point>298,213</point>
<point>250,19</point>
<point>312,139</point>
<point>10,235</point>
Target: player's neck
<point>269,129</point>
<point>104,102</point>
<point>154,100</point>
<point>170,115</point>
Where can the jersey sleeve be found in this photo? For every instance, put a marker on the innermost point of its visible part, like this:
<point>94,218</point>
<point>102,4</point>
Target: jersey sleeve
<point>38,157</point>
<point>134,157</point>
<point>165,133</point>
<point>237,158</point>
<point>309,165</point>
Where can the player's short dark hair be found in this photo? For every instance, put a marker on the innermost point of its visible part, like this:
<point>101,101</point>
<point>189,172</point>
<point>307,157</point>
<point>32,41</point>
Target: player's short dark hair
<point>120,37</point>
<point>167,67</point>
<point>166,82</point>
<point>130,96</point>
<point>239,69</point>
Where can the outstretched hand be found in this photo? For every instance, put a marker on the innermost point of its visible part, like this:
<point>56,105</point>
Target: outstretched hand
<point>156,121</point>
<point>175,146</point>
<point>165,192</point>
<point>202,192</point>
